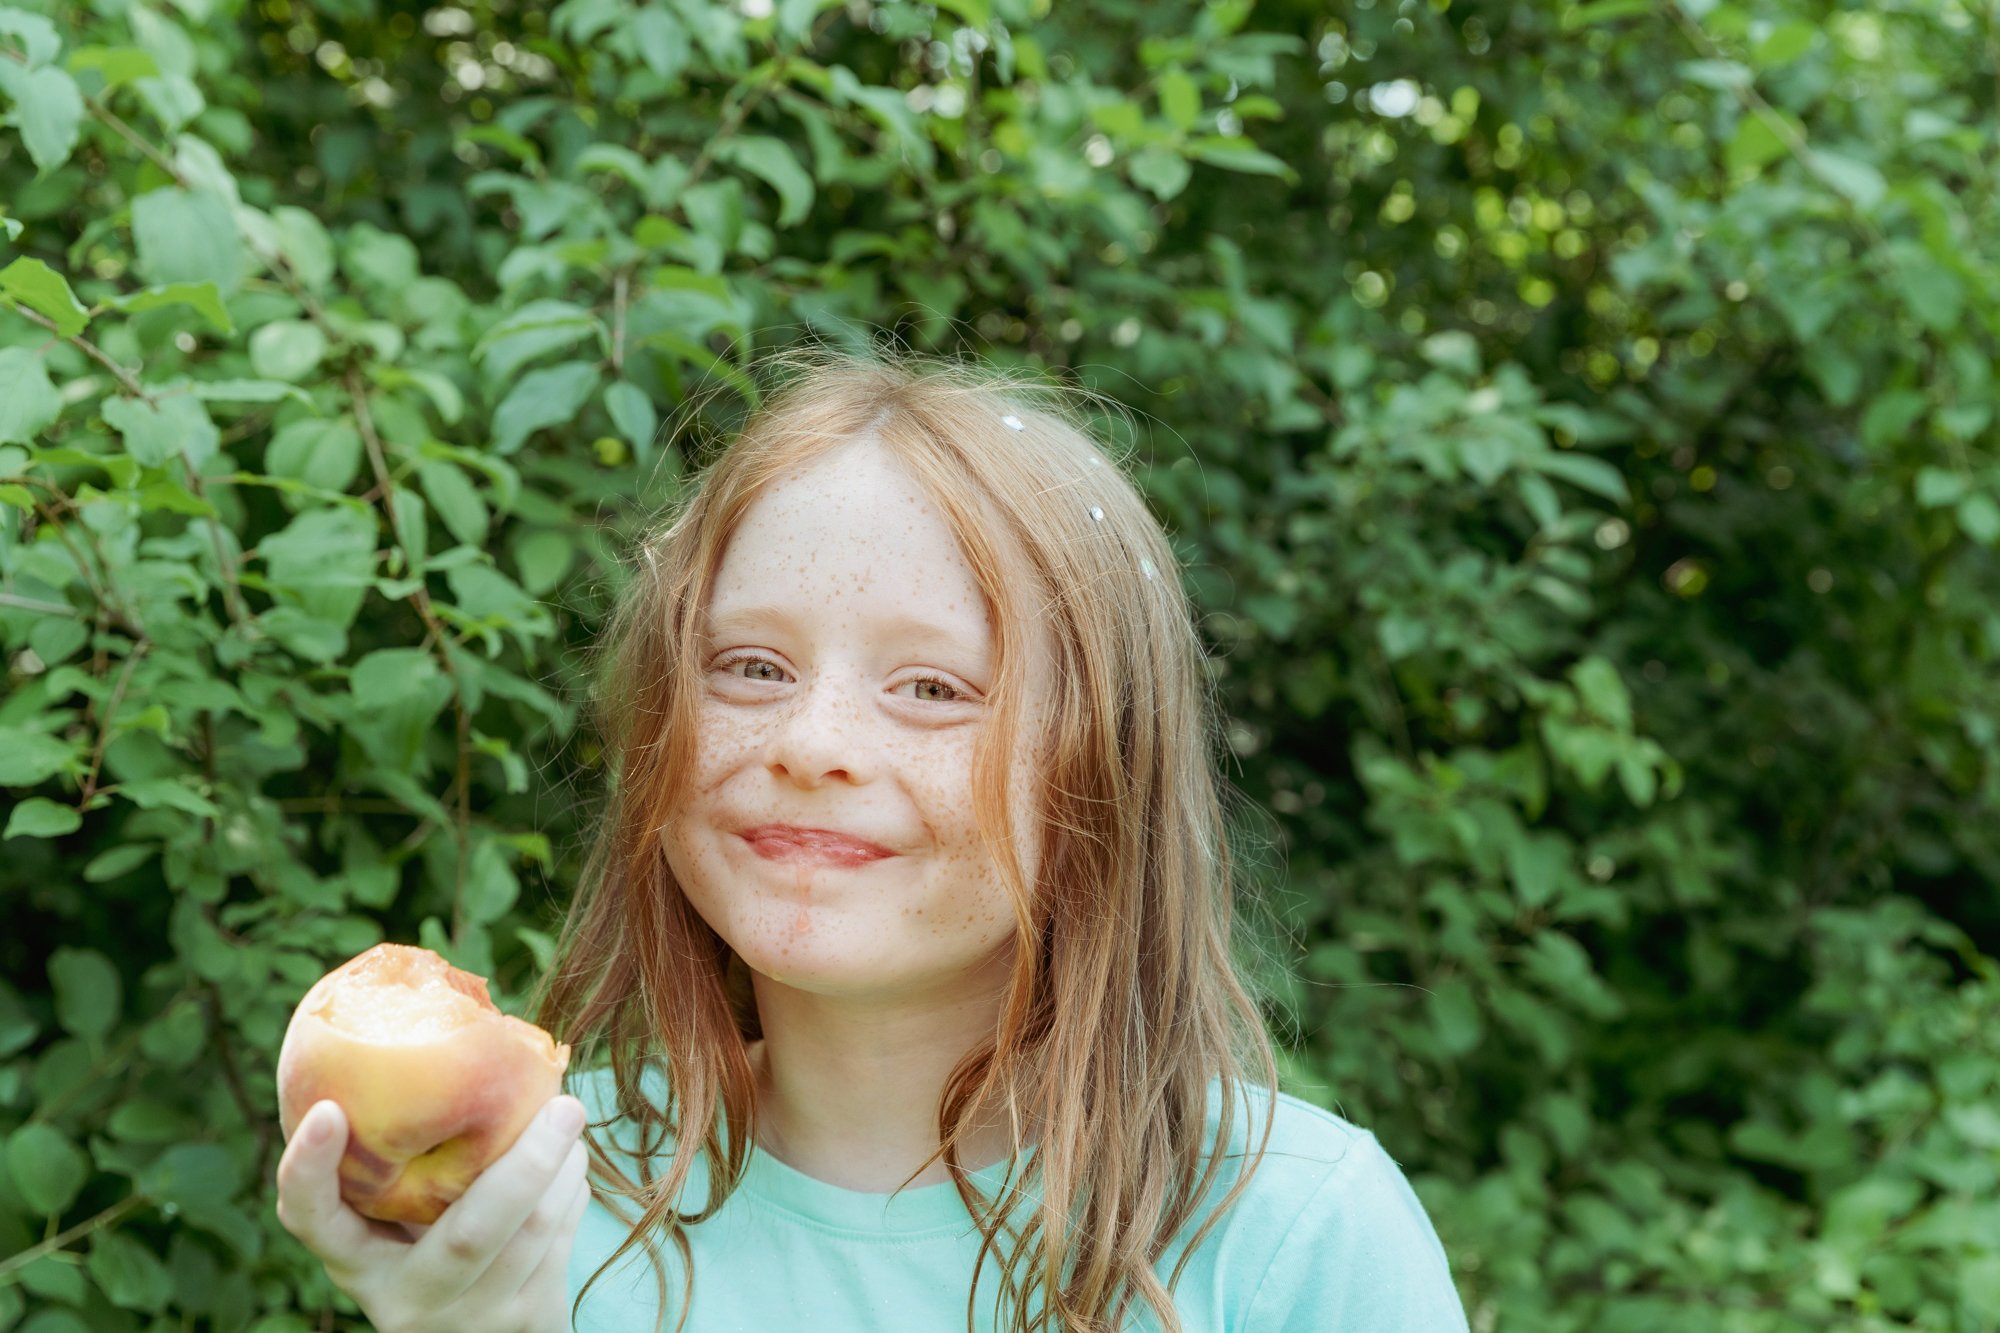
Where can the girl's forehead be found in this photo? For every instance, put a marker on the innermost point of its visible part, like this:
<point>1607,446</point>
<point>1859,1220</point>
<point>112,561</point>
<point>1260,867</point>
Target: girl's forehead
<point>852,532</point>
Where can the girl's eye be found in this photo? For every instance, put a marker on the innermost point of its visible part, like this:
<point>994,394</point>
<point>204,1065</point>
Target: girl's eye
<point>754,668</point>
<point>932,690</point>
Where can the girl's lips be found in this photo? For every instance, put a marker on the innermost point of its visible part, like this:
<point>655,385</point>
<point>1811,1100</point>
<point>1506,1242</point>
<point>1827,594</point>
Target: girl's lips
<point>784,842</point>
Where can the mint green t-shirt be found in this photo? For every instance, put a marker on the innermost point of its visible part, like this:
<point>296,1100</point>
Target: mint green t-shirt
<point>1328,1238</point>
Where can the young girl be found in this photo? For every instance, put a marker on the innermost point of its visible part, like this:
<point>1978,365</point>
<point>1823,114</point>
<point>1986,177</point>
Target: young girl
<point>908,930</point>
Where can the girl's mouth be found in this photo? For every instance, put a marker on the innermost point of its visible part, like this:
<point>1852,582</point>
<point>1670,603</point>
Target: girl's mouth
<point>787,842</point>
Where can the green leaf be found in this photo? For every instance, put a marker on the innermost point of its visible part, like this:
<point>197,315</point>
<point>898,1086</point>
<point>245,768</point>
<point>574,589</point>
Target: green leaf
<point>187,236</point>
<point>454,499</point>
<point>1889,418</point>
<point>1590,473</point>
<point>551,396</point>
<point>1721,75</point>
<point>1454,350</point>
<point>1932,292</point>
<point>287,349</point>
<point>483,592</point>
<point>1540,499</point>
<point>1455,1015</point>
<point>45,291</point>
<point>390,675</point>
<point>633,413</point>
<point>1786,43</point>
<point>1979,518</point>
<point>1538,865</point>
<point>47,108</point>
<point>1239,154</point>
<point>39,39</point>
<point>536,328</point>
<point>116,65</point>
<point>772,161</point>
<point>322,563</point>
<point>1555,961</point>
<point>88,991</point>
<point>1604,11</point>
<point>322,453</point>
<point>18,1027</point>
<point>491,887</point>
<point>29,757</point>
<point>1859,181</point>
<point>661,38</point>
<point>542,558</point>
<point>204,297</point>
<point>47,1168</point>
<point>304,245</point>
<point>242,391</point>
<point>1754,144</point>
<point>442,390</point>
<point>193,1174</point>
<point>1938,486</point>
<point>167,794</point>
<point>973,13</point>
<point>128,1274</point>
<point>1160,171</point>
<point>1180,99</point>
<point>116,861</point>
<point>28,402</point>
<point>177,1036</point>
<point>40,818</point>
<point>156,435</point>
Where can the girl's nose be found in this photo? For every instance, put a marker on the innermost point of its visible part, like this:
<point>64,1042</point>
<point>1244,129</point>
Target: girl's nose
<point>819,739</point>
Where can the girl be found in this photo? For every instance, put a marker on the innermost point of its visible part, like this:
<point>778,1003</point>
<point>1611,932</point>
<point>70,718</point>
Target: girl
<point>908,927</point>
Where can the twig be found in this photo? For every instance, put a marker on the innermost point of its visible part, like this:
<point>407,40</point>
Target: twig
<point>260,1123</point>
<point>110,715</point>
<point>15,1262</point>
<point>732,119</point>
<point>107,610</point>
<point>125,378</point>
<point>420,598</point>
<point>618,287</point>
<point>20,603</point>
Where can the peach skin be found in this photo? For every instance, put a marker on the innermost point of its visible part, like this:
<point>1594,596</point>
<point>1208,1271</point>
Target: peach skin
<point>435,1081</point>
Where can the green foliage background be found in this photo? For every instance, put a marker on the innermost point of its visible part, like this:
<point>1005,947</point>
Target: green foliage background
<point>1578,422</point>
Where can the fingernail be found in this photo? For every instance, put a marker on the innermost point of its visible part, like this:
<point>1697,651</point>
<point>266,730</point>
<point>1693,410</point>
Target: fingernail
<point>316,1126</point>
<point>567,1117</point>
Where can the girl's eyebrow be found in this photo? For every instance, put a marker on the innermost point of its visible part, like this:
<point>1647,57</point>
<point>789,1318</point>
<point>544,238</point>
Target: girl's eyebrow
<point>754,615</point>
<point>949,632</point>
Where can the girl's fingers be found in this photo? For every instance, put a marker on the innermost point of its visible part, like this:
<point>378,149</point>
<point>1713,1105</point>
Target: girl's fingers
<point>516,1267</point>
<point>481,1226</point>
<point>550,1280</point>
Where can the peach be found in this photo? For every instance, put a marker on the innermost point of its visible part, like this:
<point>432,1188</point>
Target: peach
<point>435,1081</point>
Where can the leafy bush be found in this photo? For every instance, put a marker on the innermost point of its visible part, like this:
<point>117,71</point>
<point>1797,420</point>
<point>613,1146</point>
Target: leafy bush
<point>1578,422</point>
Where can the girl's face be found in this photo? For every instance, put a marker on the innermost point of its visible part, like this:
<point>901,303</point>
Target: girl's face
<point>827,832</point>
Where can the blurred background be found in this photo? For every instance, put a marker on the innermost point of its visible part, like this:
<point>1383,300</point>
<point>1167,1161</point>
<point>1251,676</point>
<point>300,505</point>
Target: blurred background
<point>1576,421</point>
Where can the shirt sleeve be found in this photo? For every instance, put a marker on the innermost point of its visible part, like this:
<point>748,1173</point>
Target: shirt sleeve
<point>1361,1257</point>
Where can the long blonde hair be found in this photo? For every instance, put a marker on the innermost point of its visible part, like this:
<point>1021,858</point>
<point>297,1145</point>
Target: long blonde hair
<point>1124,1004</point>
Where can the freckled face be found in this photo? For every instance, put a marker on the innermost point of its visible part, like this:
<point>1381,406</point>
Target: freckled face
<point>827,833</point>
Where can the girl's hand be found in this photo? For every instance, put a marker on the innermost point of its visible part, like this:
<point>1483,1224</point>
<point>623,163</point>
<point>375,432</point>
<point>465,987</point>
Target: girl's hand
<point>497,1259</point>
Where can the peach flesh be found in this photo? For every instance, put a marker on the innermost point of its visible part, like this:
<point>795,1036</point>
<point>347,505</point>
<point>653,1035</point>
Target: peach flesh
<point>435,1081</point>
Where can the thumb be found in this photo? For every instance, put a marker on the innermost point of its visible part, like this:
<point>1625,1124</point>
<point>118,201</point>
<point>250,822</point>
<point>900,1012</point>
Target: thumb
<point>309,1167</point>
<point>323,1131</point>
<point>311,1205</point>
<point>309,1202</point>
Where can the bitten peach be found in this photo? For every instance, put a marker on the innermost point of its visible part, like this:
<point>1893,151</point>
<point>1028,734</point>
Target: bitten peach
<point>435,1081</point>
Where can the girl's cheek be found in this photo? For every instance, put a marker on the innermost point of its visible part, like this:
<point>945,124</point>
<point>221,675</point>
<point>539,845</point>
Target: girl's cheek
<point>721,745</point>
